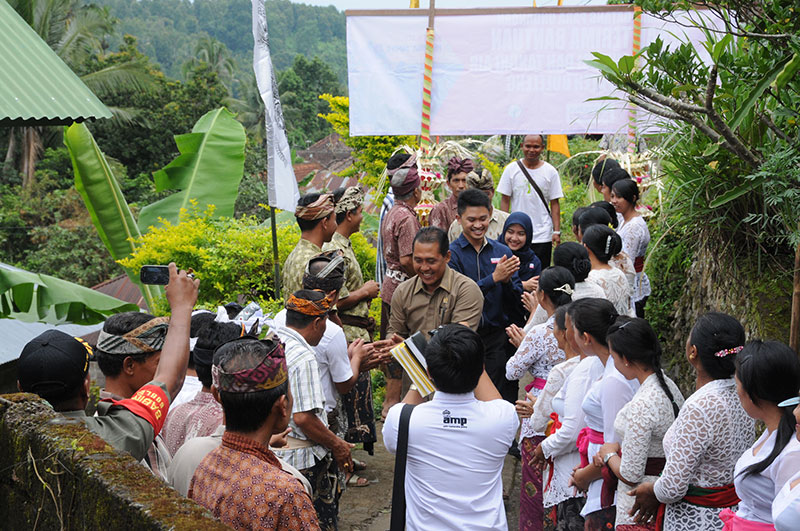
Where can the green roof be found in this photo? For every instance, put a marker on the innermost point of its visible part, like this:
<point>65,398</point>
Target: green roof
<point>36,86</point>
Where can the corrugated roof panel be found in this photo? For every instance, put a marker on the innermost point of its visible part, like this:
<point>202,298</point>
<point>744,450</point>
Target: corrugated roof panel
<point>35,84</point>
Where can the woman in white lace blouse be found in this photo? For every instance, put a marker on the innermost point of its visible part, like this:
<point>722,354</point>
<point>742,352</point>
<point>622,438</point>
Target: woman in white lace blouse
<point>635,237</point>
<point>538,354</point>
<point>640,424</point>
<point>710,434</point>
<point>602,243</point>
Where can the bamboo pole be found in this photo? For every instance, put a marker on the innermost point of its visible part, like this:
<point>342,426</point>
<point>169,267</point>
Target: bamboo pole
<point>794,326</point>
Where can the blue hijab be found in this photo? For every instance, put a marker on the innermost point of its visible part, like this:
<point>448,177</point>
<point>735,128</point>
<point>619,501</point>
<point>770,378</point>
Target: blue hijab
<point>529,264</point>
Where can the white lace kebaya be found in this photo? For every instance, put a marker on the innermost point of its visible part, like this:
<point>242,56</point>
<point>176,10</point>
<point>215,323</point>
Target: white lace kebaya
<point>702,446</point>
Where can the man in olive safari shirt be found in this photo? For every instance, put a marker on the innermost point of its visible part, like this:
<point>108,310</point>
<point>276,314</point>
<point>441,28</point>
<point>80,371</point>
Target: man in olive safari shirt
<point>436,295</point>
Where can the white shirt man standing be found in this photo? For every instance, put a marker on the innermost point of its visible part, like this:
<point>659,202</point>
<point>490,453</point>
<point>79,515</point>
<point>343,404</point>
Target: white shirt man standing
<point>518,195</point>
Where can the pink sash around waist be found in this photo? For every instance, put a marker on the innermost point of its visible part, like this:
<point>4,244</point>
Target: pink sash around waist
<point>585,436</point>
<point>538,383</point>
<point>732,522</point>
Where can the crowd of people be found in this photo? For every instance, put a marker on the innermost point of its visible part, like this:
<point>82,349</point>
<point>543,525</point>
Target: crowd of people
<point>258,426</point>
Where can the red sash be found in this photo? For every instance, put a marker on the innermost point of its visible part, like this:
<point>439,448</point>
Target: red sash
<point>552,427</point>
<point>638,264</point>
<point>652,467</point>
<point>724,496</point>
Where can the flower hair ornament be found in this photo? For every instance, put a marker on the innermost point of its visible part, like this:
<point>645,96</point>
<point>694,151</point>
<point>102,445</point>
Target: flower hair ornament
<point>564,289</point>
<point>728,351</point>
<point>608,244</point>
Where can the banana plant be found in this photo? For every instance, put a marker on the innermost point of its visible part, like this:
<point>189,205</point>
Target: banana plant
<point>207,172</point>
<point>36,297</point>
<point>103,197</point>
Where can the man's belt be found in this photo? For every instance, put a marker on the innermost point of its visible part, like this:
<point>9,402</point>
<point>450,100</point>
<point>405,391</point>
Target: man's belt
<point>367,323</point>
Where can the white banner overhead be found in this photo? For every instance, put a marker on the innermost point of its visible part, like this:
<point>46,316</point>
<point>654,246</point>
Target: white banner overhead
<point>507,71</point>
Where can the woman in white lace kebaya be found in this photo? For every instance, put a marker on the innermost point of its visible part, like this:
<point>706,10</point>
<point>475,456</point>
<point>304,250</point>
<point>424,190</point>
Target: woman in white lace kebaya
<point>705,441</point>
<point>767,373</point>
<point>602,243</point>
<point>641,424</point>
<point>635,237</point>
<point>538,354</point>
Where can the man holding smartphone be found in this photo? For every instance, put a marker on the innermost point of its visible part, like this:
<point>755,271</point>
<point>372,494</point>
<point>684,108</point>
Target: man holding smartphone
<point>55,366</point>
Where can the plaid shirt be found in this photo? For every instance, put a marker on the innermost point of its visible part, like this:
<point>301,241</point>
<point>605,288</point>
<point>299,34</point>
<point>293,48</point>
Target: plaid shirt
<point>307,393</point>
<point>243,485</point>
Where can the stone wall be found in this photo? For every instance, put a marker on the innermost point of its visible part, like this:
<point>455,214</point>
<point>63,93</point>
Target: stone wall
<point>728,280</point>
<point>55,474</point>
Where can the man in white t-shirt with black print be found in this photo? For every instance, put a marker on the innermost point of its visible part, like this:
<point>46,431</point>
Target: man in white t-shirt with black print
<point>457,442</point>
<point>518,195</point>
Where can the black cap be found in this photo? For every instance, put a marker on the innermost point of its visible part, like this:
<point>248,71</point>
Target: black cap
<point>53,365</point>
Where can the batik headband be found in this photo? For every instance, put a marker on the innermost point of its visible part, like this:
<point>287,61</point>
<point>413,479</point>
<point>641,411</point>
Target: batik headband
<point>483,181</point>
<point>728,351</point>
<point>309,307</point>
<point>321,208</point>
<point>404,178</point>
<point>456,165</point>
<point>147,338</point>
<point>351,199</point>
<point>267,373</point>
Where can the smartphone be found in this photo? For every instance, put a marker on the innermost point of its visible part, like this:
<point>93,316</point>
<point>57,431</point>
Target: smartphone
<point>154,274</point>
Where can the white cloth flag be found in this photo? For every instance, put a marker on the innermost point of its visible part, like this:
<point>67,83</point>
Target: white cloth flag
<point>282,184</point>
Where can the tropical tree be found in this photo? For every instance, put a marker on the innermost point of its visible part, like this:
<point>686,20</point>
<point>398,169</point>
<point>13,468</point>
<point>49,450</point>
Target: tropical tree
<point>732,149</point>
<point>77,33</point>
<point>216,55</point>
<point>249,108</point>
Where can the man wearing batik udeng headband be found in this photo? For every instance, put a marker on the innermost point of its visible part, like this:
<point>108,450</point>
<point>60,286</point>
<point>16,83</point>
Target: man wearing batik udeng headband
<point>242,482</point>
<point>482,180</point>
<point>353,311</point>
<point>312,448</point>
<point>397,234</point>
<point>317,222</point>
<point>55,366</point>
<point>128,351</point>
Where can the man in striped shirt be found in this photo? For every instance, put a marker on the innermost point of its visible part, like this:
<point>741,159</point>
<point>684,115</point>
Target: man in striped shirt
<point>312,448</point>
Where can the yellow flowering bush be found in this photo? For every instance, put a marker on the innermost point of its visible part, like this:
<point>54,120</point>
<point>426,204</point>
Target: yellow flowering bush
<point>231,257</point>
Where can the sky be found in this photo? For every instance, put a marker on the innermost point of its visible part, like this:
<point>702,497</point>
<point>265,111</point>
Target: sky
<point>400,4</point>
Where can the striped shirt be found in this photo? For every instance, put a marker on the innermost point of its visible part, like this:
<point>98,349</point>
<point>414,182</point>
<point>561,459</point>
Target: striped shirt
<point>307,393</point>
<point>380,266</point>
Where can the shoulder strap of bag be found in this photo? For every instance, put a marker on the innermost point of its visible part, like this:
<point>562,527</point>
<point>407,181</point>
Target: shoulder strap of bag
<point>398,520</point>
<point>533,183</point>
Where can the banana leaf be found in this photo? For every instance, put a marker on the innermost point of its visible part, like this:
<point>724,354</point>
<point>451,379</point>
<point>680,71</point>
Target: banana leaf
<point>207,172</point>
<point>103,197</point>
<point>51,300</point>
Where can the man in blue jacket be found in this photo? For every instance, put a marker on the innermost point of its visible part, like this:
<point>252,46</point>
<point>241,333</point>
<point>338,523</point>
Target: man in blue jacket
<point>494,268</point>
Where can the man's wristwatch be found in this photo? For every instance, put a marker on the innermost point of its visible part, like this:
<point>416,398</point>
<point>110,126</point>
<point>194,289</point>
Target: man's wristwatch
<point>608,456</point>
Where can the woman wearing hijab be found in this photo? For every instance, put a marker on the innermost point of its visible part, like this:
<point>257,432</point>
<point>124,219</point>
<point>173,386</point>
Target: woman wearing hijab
<point>516,234</point>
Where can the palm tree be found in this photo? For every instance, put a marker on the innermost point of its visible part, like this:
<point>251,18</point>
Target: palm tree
<point>215,54</point>
<point>75,32</point>
<point>249,109</point>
